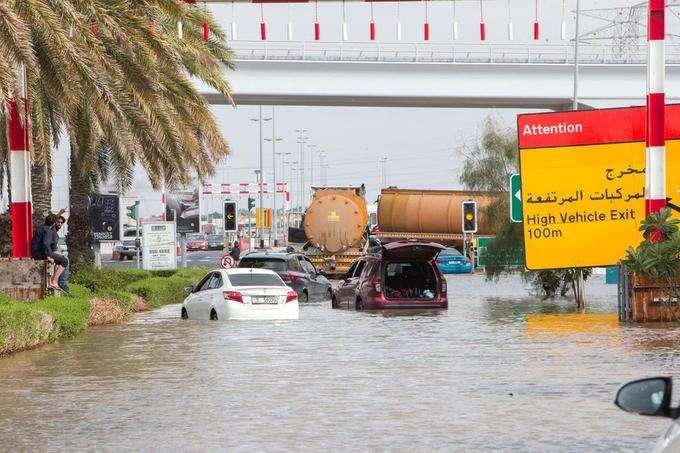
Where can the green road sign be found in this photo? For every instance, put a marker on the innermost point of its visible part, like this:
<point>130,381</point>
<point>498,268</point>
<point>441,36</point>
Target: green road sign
<point>515,198</point>
<point>513,259</point>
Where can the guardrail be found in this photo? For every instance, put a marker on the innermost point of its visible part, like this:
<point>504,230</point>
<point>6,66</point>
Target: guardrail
<point>439,53</point>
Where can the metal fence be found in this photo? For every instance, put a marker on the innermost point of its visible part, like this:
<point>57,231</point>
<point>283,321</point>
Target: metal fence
<point>440,53</point>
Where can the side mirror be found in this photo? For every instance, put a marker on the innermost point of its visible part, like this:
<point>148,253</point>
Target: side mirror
<point>188,290</point>
<point>646,397</point>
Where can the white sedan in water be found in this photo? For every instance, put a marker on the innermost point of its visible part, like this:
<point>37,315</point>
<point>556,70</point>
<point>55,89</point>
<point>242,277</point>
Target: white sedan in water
<point>240,294</point>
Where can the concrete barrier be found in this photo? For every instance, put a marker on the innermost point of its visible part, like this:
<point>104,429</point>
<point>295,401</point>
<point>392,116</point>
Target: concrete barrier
<point>23,279</point>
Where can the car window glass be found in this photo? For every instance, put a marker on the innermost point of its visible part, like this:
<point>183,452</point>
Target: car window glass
<point>215,282</point>
<point>308,266</point>
<point>359,269</point>
<point>203,284</point>
<point>294,265</point>
<point>273,264</point>
<point>255,279</point>
<point>350,273</point>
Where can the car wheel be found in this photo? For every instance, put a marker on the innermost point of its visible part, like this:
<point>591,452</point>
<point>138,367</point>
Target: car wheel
<point>359,305</point>
<point>303,297</point>
<point>213,315</point>
<point>185,315</point>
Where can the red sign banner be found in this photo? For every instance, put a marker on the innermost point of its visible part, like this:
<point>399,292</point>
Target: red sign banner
<point>590,127</point>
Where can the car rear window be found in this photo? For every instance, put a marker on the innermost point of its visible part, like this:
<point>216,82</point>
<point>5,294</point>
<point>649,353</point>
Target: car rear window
<point>255,279</point>
<point>272,264</point>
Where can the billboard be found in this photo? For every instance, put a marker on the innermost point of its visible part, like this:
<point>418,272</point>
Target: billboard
<point>104,213</point>
<point>186,206</point>
<point>159,246</point>
<point>582,183</point>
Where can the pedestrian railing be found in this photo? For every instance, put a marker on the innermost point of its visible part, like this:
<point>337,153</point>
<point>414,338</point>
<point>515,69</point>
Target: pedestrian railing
<point>441,53</point>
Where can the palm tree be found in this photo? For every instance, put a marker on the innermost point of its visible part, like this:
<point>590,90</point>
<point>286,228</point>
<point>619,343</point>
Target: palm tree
<point>114,75</point>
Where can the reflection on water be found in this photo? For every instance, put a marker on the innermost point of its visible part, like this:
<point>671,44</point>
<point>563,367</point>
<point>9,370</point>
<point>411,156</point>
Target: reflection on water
<point>497,371</point>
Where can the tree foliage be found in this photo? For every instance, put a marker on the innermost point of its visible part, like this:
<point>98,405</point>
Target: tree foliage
<point>116,77</point>
<point>488,165</point>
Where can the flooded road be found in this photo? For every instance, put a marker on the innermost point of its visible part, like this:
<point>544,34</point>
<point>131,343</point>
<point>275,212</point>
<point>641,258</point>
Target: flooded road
<point>498,371</point>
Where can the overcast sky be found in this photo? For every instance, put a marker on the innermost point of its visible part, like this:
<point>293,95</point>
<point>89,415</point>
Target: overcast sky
<point>420,143</point>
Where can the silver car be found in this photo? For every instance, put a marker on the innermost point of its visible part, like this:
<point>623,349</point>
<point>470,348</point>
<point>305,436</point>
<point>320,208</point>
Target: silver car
<point>652,396</point>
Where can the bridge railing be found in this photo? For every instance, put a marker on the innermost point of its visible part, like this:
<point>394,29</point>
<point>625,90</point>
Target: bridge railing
<point>441,53</point>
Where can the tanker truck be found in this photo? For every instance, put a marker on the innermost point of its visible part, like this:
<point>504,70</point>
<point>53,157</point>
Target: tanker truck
<point>335,225</point>
<point>429,215</point>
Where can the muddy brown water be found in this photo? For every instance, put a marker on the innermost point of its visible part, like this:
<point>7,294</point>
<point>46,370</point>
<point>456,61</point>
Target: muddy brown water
<point>498,371</point>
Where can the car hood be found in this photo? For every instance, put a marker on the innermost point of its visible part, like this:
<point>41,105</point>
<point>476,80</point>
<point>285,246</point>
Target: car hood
<point>411,250</point>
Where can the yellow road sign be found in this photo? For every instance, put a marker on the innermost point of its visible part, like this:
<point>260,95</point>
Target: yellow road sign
<point>583,192</point>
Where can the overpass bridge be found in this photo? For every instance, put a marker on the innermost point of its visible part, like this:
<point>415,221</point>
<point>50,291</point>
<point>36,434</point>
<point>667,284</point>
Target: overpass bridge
<point>436,75</point>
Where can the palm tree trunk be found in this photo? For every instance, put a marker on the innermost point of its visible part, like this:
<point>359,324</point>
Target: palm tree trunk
<point>79,239</point>
<point>41,190</point>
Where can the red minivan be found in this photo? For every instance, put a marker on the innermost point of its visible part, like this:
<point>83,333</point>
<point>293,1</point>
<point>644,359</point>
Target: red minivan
<point>403,275</point>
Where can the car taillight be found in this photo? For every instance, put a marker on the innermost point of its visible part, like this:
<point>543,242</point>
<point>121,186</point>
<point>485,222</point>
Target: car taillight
<point>291,296</point>
<point>288,277</point>
<point>233,295</point>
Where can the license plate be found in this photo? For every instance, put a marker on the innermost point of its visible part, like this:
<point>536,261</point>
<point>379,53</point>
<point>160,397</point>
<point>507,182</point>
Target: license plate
<point>265,300</point>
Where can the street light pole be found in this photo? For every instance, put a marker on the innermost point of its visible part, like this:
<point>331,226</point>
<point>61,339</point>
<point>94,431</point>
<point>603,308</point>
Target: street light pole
<point>260,231</point>
<point>274,139</point>
<point>576,43</point>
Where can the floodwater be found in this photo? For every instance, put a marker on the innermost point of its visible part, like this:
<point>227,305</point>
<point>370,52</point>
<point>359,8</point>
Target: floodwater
<point>498,371</point>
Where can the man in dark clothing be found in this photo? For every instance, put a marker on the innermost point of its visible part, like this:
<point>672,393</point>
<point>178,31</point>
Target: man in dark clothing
<point>235,252</point>
<point>42,248</point>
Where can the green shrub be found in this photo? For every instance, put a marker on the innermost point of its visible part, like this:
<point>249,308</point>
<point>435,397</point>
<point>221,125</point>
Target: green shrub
<point>69,314</point>
<point>160,291</point>
<point>106,279</point>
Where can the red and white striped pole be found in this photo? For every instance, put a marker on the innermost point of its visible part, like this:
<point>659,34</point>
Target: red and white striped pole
<point>20,172</point>
<point>655,193</point>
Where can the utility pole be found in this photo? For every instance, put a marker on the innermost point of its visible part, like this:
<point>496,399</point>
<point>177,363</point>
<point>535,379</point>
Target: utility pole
<point>383,171</point>
<point>274,139</point>
<point>302,139</point>
<point>260,231</point>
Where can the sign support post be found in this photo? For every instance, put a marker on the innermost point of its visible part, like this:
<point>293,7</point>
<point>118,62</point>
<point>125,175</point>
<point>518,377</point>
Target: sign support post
<point>655,184</point>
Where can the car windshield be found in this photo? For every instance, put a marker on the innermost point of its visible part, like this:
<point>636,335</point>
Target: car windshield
<point>255,279</point>
<point>272,264</point>
<point>195,237</point>
<point>450,252</point>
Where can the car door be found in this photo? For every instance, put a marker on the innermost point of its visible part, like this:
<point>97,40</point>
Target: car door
<point>214,292</point>
<point>318,282</point>
<point>349,285</point>
<point>193,302</point>
<point>205,298</point>
<point>343,290</point>
<point>305,278</point>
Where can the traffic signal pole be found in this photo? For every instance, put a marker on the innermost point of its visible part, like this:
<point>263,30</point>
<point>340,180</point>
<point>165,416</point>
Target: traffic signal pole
<point>655,184</point>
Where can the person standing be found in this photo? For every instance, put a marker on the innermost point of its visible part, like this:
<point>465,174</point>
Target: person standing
<point>62,281</point>
<point>235,252</point>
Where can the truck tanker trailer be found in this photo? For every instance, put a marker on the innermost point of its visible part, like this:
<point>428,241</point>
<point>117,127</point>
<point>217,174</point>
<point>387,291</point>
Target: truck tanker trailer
<point>429,215</point>
<point>336,228</point>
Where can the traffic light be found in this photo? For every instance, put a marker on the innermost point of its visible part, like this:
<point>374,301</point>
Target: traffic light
<point>230,224</point>
<point>469,217</point>
<point>251,203</point>
<point>133,211</point>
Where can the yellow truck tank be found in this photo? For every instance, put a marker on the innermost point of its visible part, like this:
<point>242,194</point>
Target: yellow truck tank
<point>336,219</point>
<point>429,214</point>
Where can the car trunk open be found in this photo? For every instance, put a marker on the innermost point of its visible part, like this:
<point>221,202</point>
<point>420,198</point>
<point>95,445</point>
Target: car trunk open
<point>411,251</point>
<point>412,280</point>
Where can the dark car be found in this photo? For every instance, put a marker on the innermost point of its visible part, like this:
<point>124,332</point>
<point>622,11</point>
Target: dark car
<point>296,270</point>
<point>215,242</point>
<point>402,275</point>
<point>126,248</point>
